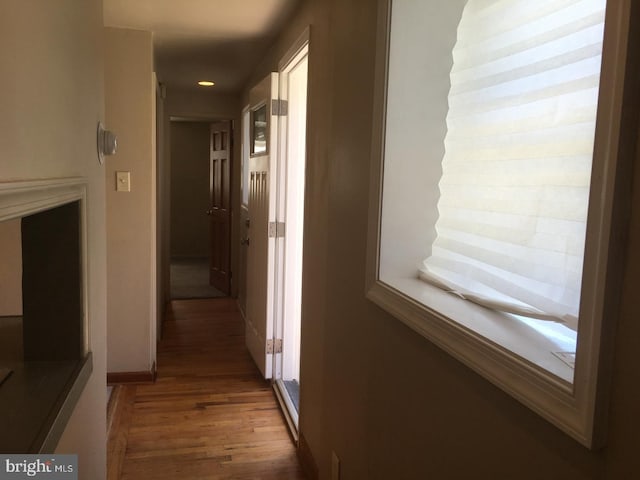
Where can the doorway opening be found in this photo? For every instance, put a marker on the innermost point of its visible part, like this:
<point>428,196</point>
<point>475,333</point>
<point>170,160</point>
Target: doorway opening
<point>200,207</point>
<point>290,205</point>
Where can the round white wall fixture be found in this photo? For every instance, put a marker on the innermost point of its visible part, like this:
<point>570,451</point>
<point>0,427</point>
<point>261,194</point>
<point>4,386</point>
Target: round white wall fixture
<point>107,143</point>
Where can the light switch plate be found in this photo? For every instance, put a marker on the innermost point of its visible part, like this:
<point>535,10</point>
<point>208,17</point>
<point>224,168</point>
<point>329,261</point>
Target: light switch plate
<point>123,181</point>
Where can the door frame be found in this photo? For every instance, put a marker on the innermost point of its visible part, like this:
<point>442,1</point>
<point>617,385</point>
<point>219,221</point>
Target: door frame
<point>164,180</point>
<point>296,54</point>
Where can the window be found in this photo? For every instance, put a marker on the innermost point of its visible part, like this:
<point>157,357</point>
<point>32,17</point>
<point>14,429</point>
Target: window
<point>245,149</point>
<point>489,194</point>
<point>259,131</point>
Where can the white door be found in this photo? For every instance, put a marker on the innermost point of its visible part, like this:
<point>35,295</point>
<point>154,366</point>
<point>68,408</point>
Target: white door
<point>261,213</point>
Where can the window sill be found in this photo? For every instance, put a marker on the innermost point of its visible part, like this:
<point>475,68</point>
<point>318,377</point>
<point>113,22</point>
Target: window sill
<point>506,332</point>
<point>523,368</point>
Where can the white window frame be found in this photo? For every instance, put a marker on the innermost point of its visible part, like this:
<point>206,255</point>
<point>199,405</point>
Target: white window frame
<point>577,408</point>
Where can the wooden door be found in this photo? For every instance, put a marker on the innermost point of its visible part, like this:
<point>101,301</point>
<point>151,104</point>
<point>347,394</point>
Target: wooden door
<point>261,212</point>
<point>220,205</point>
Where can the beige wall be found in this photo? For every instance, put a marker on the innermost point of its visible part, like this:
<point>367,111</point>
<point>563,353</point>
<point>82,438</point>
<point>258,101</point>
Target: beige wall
<point>51,79</point>
<point>10,268</point>
<point>391,404</point>
<point>204,105</point>
<point>129,104</point>
<point>190,189</point>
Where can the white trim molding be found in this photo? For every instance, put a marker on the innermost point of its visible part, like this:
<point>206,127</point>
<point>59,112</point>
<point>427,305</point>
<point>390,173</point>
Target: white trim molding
<point>22,198</point>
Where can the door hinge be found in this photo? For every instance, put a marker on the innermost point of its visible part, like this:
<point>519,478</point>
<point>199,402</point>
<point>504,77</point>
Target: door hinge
<point>274,345</point>
<point>279,107</point>
<point>276,229</point>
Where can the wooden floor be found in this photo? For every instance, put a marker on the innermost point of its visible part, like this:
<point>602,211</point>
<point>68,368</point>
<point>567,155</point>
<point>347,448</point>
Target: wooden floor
<point>209,415</point>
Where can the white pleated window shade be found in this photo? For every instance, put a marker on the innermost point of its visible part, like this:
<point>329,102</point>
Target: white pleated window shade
<point>518,153</point>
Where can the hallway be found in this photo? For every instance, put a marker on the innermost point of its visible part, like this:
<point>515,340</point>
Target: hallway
<point>209,415</point>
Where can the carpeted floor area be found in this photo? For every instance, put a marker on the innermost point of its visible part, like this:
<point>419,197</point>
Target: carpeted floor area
<point>190,279</point>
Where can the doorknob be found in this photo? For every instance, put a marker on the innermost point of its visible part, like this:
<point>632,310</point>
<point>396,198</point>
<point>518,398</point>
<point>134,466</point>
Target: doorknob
<point>245,241</point>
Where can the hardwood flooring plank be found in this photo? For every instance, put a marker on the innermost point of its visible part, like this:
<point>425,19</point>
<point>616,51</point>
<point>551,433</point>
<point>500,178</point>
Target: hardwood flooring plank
<point>209,415</point>
<point>119,427</point>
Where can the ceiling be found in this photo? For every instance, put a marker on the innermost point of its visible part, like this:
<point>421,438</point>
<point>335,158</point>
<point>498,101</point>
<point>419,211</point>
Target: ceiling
<point>217,40</point>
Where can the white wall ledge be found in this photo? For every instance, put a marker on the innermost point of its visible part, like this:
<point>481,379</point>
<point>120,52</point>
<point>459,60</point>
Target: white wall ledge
<point>507,333</point>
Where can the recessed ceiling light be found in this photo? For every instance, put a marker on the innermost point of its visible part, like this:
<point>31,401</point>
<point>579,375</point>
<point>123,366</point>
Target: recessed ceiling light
<point>206,83</point>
